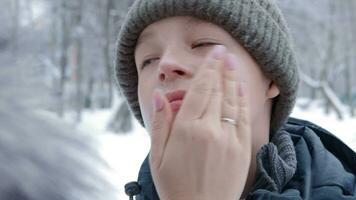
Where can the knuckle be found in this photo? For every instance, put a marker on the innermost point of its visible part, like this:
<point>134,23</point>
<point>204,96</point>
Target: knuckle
<point>230,102</point>
<point>229,111</point>
<point>212,65</point>
<point>201,87</point>
<point>215,92</point>
<point>244,116</point>
<point>157,126</point>
<point>208,136</point>
<point>243,102</point>
<point>204,88</point>
<point>230,79</point>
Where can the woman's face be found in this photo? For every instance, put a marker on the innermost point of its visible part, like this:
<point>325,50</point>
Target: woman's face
<point>170,51</point>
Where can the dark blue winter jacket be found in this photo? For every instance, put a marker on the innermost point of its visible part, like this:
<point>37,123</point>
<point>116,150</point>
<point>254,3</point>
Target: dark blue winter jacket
<point>326,168</point>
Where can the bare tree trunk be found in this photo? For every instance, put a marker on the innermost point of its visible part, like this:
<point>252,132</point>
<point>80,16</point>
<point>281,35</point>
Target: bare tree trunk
<point>15,27</point>
<point>351,55</point>
<point>329,59</point>
<point>89,93</point>
<point>333,99</point>
<point>78,59</point>
<point>64,41</point>
<point>53,49</point>
<point>53,31</point>
<point>106,51</point>
<point>328,93</point>
<point>121,122</point>
<point>349,87</point>
<point>313,90</point>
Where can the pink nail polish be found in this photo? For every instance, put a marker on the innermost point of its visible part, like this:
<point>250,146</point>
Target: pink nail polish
<point>218,52</point>
<point>157,101</point>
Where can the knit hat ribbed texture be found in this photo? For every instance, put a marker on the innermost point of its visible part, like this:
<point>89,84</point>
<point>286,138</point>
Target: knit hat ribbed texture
<point>258,25</point>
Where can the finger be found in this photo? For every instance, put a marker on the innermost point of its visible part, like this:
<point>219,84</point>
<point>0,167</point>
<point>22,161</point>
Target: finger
<point>243,127</point>
<point>160,127</point>
<point>229,104</point>
<point>213,110</point>
<point>197,98</point>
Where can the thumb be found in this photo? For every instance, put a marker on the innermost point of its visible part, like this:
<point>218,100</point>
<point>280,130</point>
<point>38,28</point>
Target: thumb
<point>160,128</point>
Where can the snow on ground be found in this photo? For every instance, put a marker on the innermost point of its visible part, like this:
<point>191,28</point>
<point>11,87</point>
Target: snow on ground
<point>125,153</point>
<point>344,129</point>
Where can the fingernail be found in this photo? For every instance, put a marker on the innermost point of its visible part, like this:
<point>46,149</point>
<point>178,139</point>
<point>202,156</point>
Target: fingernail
<point>218,52</point>
<point>231,62</point>
<point>157,101</point>
<point>241,89</point>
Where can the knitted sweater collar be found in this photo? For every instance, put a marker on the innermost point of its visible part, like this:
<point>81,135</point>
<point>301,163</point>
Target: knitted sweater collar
<point>276,163</point>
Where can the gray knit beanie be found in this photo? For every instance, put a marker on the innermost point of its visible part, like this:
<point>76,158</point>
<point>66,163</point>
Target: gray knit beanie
<point>257,24</point>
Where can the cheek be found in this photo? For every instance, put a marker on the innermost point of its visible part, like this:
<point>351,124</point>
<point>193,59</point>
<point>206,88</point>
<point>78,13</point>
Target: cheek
<point>256,94</point>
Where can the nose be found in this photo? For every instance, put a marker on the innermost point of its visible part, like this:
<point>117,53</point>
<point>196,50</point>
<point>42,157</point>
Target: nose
<point>172,67</point>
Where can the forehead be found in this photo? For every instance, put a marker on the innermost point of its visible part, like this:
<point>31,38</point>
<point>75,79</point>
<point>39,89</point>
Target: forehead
<point>187,22</point>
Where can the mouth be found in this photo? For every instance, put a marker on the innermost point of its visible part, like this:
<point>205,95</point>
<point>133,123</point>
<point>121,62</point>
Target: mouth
<point>175,99</point>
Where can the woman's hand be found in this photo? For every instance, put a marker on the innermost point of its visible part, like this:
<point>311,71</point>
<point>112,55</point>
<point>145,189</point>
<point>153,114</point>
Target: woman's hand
<point>196,155</point>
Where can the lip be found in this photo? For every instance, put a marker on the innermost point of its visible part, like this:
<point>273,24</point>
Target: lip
<point>175,99</point>
<point>175,95</point>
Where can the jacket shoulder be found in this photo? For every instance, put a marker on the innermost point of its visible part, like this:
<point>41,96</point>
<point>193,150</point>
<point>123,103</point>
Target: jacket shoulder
<point>326,167</point>
<point>298,128</point>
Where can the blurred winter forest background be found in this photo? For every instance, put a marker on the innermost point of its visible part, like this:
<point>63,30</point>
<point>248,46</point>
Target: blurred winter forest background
<point>64,52</point>
<point>58,56</point>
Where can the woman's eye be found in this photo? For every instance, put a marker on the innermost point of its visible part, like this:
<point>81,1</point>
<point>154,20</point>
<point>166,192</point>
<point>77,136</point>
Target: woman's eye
<point>147,62</point>
<point>203,44</point>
